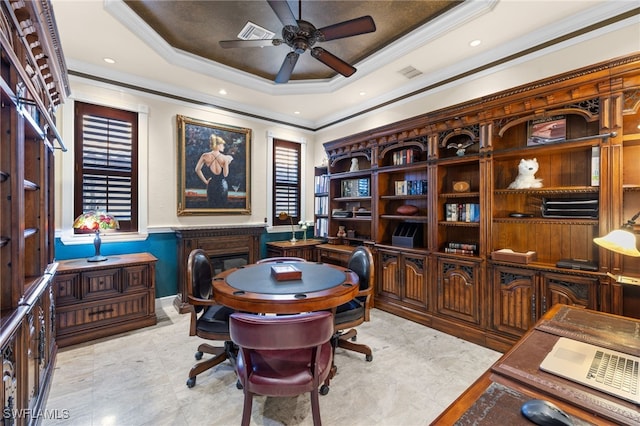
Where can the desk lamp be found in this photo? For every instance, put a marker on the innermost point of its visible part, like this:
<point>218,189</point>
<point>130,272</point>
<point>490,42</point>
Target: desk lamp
<point>94,221</point>
<point>621,241</point>
<point>285,216</point>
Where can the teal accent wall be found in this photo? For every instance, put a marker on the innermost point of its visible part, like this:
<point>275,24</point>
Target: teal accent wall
<point>162,246</point>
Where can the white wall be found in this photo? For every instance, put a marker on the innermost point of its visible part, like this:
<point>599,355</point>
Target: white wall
<point>160,164</point>
<point>162,134</point>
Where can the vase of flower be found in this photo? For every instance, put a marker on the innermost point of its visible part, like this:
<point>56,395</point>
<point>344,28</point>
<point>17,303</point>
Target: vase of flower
<point>304,224</point>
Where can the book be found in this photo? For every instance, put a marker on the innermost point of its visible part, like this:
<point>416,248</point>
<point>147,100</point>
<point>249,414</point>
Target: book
<point>286,273</point>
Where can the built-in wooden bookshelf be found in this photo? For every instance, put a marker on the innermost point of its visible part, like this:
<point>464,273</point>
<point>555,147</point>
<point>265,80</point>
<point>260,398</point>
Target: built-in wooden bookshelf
<point>465,157</point>
<point>33,82</point>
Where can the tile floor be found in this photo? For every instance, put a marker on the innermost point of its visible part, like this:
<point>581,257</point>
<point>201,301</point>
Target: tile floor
<point>139,378</point>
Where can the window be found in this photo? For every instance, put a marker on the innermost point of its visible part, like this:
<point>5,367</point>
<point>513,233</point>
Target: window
<point>106,163</point>
<point>286,181</point>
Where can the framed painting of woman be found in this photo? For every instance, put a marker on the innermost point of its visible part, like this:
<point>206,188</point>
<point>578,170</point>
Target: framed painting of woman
<point>213,168</point>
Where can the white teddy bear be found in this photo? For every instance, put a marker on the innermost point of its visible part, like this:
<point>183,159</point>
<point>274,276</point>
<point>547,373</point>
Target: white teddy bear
<point>526,175</point>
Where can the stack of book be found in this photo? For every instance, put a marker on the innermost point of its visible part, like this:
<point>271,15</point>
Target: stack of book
<point>321,184</point>
<point>411,187</point>
<point>461,248</point>
<point>322,227</point>
<point>404,156</point>
<point>321,205</point>
<point>462,212</point>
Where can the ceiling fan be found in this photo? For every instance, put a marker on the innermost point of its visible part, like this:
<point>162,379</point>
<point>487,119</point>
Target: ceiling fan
<point>301,35</point>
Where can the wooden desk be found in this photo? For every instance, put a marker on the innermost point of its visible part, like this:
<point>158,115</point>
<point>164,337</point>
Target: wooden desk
<point>252,288</point>
<point>336,254</point>
<point>496,397</point>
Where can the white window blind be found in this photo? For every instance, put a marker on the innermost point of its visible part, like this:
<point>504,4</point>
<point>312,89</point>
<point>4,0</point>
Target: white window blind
<point>286,178</point>
<point>108,171</point>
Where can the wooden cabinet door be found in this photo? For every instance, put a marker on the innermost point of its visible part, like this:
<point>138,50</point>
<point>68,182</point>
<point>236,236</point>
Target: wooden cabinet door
<point>569,290</point>
<point>458,289</point>
<point>514,300</point>
<point>414,280</point>
<point>389,272</point>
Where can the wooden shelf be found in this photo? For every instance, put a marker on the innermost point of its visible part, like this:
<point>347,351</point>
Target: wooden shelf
<point>465,224</point>
<point>543,220</point>
<point>404,197</point>
<point>551,190</point>
<point>416,218</point>
<point>459,195</point>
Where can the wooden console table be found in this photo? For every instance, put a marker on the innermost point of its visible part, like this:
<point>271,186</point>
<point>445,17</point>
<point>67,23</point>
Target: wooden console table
<point>98,299</point>
<point>301,248</point>
<point>218,242</point>
<point>496,397</point>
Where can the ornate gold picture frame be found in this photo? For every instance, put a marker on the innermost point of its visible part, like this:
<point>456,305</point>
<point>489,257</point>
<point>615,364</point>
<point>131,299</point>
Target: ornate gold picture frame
<point>213,168</point>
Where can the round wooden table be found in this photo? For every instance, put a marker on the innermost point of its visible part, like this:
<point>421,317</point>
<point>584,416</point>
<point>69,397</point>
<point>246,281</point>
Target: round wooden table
<point>253,288</point>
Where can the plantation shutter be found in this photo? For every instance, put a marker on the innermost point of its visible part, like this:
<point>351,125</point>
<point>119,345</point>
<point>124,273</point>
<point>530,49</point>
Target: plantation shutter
<point>286,193</point>
<point>107,161</point>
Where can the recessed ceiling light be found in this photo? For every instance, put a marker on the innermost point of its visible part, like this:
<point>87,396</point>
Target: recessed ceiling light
<point>474,43</point>
<point>296,112</point>
<point>363,93</point>
<point>109,60</point>
<point>222,92</point>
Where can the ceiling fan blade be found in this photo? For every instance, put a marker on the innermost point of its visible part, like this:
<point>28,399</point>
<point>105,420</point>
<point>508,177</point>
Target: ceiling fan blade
<point>226,44</point>
<point>332,61</point>
<point>353,27</point>
<point>283,11</point>
<point>287,68</point>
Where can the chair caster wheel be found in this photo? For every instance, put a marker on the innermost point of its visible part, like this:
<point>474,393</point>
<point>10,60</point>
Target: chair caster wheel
<point>354,338</point>
<point>191,382</point>
<point>324,389</point>
<point>238,385</point>
<point>198,355</point>
<point>369,358</point>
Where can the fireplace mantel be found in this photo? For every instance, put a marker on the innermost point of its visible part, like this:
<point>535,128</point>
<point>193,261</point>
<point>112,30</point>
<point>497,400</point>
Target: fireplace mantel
<point>216,241</point>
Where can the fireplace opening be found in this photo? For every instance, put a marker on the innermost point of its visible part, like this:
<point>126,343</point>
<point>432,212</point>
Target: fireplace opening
<point>222,263</point>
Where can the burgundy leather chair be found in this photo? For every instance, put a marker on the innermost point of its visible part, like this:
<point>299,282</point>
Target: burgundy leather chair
<point>209,320</point>
<point>283,356</point>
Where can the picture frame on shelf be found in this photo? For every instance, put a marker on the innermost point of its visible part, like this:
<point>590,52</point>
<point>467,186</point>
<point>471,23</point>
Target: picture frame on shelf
<point>355,188</point>
<point>547,130</point>
<point>213,168</point>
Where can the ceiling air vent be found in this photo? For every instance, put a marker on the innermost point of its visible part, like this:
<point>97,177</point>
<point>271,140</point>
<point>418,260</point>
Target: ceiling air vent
<point>410,72</point>
<point>252,31</point>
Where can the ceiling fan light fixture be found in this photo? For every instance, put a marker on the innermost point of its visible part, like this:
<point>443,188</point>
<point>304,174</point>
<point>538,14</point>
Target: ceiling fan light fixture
<point>301,35</point>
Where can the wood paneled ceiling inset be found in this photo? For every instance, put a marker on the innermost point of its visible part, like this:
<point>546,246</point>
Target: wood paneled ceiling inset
<point>197,27</point>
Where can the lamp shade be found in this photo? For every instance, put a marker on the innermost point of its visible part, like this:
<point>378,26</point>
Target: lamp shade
<point>284,216</point>
<point>95,221</point>
<point>619,241</point>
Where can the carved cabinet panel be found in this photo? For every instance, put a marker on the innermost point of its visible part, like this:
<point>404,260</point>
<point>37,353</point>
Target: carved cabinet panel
<point>522,296</point>
<point>459,289</point>
<point>402,278</point>
<point>514,308</point>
